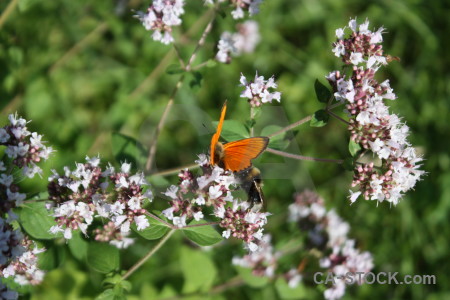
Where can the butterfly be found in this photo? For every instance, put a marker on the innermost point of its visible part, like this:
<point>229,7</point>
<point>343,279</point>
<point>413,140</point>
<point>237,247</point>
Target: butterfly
<point>235,156</point>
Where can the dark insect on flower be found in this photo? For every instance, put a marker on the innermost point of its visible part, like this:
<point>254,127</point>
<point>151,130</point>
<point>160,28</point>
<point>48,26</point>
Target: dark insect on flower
<point>251,182</point>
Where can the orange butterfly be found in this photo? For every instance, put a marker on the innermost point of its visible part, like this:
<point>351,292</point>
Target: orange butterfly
<point>235,156</point>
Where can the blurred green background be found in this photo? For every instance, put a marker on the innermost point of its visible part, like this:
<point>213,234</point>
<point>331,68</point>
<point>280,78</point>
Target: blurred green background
<point>81,70</point>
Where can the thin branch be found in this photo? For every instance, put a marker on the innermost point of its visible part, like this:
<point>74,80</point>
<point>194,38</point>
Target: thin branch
<point>153,144</point>
<point>180,58</point>
<point>289,127</point>
<point>162,121</point>
<point>8,10</point>
<point>232,283</point>
<point>160,220</point>
<point>175,170</point>
<point>202,39</point>
<point>337,117</point>
<point>200,225</point>
<point>148,255</point>
<point>301,157</point>
<point>11,107</point>
<point>79,46</point>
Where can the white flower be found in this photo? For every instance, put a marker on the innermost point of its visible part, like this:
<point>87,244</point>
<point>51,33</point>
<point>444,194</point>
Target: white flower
<point>179,221</point>
<point>172,192</point>
<point>123,183</point>
<point>202,160</point>
<point>168,213</point>
<point>117,208</point>
<point>226,233</point>
<point>340,33</point>
<point>141,222</point>
<point>125,168</point>
<point>68,233</point>
<point>94,161</point>
<point>215,192</point>
<point>200,200</point>
<point>123,243</point>
<point>354,195</point>
<point>4,136</point>
<point>339,49</point>
<point>198,216</point>
<point>356,58</point>
<point>134,203</point>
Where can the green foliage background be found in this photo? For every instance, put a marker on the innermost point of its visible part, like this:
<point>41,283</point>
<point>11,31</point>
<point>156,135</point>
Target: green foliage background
<point>84,69</point>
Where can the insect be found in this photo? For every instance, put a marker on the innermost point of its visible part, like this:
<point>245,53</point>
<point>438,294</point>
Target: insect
<point>251,182</point>
<point>235,156</point>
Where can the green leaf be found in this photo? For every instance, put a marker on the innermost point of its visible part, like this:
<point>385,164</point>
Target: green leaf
<point>349,164</point>
<point>233,130</point>
<point>278,142</point>
<point>128,149</point>
<point>202,235</point>
<point>174,69</point>
<point>323,94</point>
<point>319,118</point>
<point>198,269</point>
<point>155,231</point>
<point>111,294</point>
<point>288,293</point>
<point>211,63</point>
<point>116,280</point>
<point>36,221</point>
<point>78,246</point>
<point>26,4</point>
<point>250,279</point>
<point>354,147</point>
<point>47,259</point>
<point>196,82</point>
<point>103,258</point>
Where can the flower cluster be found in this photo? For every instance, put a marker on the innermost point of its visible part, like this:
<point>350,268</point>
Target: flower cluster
<point>240,6</point>
<point>257,91</point>
<point>23,147</point>
<point>212,191</point>
<point>109,233</point>
<point>263,262</point>
<point>6,293</point>
<point>234,44</point>
<point>160,17</point>
<point>17,252</point>
<point>24,267</point>
<point>371,125</point>
<point>328,233</point>
<point>89,191</point>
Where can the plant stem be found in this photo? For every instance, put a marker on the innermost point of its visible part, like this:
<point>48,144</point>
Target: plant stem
<point>233,282</point>
<point>159,219</point>
<point>152,148</point>
<point>200,225</point>
<point>175,170</point>
<point>148,255</point>
<point>8,10</point>
<point>252,118</point>
<point>301,157</point>
<point>79,46</point>
<point>289,127</point>
<point>162,121</point>
<point>336,116</point>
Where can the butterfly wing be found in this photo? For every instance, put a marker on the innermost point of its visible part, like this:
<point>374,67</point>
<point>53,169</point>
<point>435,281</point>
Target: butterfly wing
<point>215,137</point>
<point>239,154</point>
